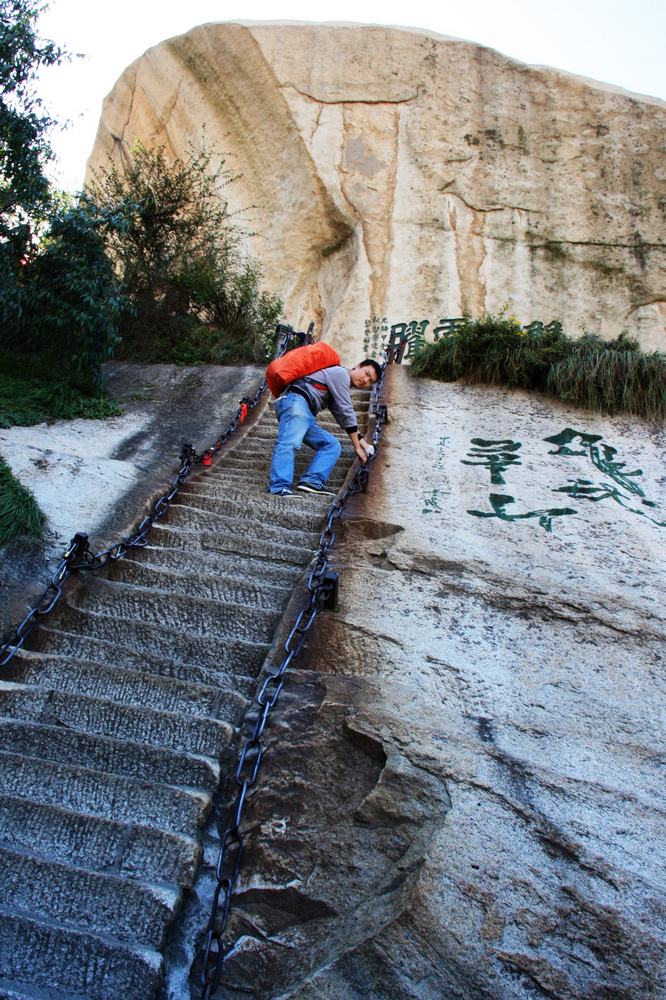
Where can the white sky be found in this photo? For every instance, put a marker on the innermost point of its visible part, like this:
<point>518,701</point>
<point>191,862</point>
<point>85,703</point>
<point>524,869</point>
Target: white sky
<point>617,41</point>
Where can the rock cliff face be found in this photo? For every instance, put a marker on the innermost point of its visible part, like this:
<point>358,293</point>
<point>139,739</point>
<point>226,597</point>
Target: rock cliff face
<point>402,174</point>
<point>463,792</point>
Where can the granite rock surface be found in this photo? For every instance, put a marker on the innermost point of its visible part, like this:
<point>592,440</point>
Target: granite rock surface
<point>404,175</point>
<point>462,794</point>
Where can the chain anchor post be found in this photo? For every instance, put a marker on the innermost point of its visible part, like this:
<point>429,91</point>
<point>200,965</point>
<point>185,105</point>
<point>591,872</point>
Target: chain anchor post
<point>79,545</point>
<point>331,599</point>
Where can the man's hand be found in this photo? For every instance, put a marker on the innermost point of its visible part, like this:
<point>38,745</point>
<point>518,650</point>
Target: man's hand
<point>358,448</point>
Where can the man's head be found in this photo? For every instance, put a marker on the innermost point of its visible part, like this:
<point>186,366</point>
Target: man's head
<point>365,374</point>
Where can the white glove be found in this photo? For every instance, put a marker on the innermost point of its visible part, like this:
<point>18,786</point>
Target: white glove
<point>369,449</point>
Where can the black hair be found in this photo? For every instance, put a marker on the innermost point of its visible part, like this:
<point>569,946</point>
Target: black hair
<point>373,364</point>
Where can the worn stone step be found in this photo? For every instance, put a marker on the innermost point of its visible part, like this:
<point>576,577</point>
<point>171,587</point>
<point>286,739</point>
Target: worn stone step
<point>172,730</point>
<point>125,686</point>
<point>9,992</point>
<point>193,615</point>
<point>217,673</point>
<point>230,589</point>
<point>235,477</point>
<point>72,648</point>
<point>205,495</point>
<point>255,499</point>
<point>39,953</point>
<point>237,545</point>
<point>255,464</point>
<point>254,569</point>
<point>109,754</point>
<point>256,480</point>
<point>269,427</point>
<point>97,902</point>
<point>95,793</point>
<point>236,655</point>
<point>261,449</point>
<point>258,448</point>
<point>193,519</point>
<point>101,845</point>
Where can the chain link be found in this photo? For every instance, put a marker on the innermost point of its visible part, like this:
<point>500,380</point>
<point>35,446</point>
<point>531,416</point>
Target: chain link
<point>319,589</point>
<point>79,556</point>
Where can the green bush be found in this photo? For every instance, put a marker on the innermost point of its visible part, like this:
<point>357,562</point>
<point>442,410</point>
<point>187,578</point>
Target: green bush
<point>152,254</point>
<point>19,513</point>
<point>24,125</point>
<point>32,390</point>
<point>608,376</point>
<point>63,302</point>
<point>195,298</point>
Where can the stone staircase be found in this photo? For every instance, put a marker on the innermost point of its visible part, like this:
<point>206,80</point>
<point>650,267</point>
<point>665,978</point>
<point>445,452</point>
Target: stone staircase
<point>117,726</point>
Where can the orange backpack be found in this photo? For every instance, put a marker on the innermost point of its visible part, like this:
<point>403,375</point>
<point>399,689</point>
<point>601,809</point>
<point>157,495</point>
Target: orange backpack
<point>297,363</point>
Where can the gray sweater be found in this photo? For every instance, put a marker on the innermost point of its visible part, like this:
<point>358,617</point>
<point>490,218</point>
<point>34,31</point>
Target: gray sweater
<point>334,397</point>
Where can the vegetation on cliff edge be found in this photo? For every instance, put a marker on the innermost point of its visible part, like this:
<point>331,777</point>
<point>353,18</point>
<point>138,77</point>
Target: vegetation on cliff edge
<point>19,513</point>
<point>146,265</point>
<point>607,376</point>
<point>194,296</point>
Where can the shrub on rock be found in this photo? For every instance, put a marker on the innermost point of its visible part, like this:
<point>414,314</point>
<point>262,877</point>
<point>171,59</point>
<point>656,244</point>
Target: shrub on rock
<point>610,376</point>
<point>195,297</point>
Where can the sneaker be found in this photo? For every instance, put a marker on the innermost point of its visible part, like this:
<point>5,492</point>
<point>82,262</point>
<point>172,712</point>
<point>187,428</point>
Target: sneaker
<point>286,492</point>
<point>322,491</point>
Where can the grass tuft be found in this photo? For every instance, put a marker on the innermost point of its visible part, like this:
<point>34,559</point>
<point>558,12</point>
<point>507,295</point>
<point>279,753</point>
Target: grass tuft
<point>19,513</point>
<point>33,390</point>
<point>606,376</point>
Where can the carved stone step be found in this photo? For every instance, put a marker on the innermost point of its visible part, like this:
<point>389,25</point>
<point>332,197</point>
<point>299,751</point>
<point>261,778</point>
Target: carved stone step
<point>92,967</point>
<point>128,687</point>
<point>189,615</point>
<point>235,655</point>
<point>107,796</point>
<point>259,478</point>
<point>255,568</point>
<point>72,648</point>
<point>205,494</point>
<point>238,545</point>
<point>172,730</point>
<point>101,845</point>
<point>109,754</point>
<point>98,902</point>
<point>229,589</point>
<point>193,519</point>
<point>261,465</point>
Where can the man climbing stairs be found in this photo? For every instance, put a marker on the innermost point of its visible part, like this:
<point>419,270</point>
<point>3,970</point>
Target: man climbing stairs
<point>117,725</point>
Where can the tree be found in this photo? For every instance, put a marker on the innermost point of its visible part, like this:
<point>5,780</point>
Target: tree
<point>24,126</point>
<point>59,295</point>
<point>179,226</point>
<point>67,298</point>
<point>195,296</point>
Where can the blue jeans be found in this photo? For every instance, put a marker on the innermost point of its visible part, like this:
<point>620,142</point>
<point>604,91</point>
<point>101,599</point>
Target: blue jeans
<point>297,425</point>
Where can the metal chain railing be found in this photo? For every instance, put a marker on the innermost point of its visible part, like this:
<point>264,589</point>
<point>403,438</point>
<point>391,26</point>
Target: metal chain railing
<point>79,556</point>
<point>322,588</point>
